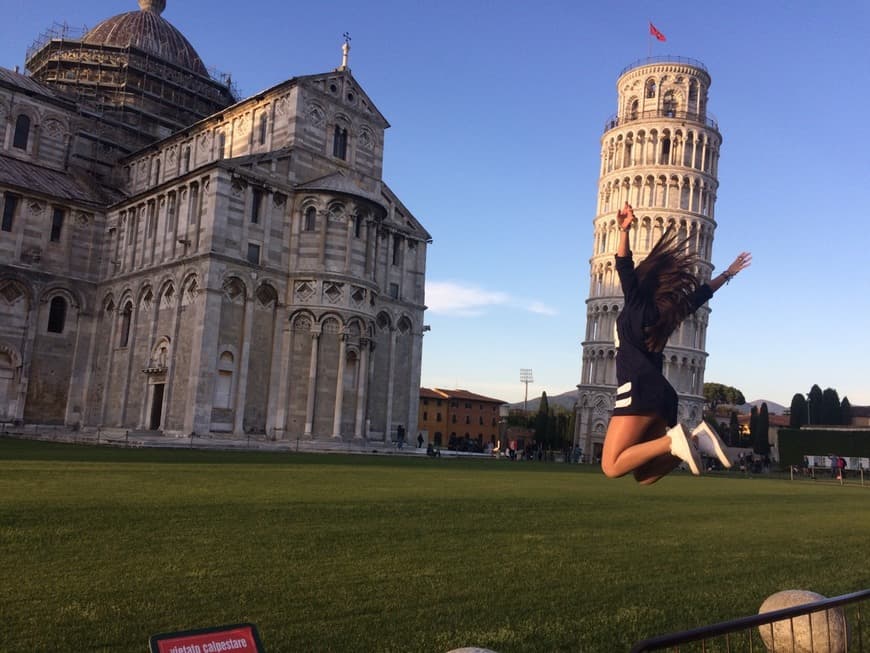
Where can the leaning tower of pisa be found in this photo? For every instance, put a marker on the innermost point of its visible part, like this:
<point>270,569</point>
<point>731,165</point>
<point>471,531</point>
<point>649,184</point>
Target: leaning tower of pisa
<point>659,152</point>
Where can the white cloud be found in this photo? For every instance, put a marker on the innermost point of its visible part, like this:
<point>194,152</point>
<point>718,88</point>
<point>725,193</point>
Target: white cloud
<point>455,298</point>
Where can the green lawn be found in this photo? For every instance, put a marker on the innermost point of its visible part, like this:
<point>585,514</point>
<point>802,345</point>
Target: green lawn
<point>100,548</point>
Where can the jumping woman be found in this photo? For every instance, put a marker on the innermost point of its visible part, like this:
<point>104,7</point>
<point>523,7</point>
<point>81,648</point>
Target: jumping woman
<point>643,436</point>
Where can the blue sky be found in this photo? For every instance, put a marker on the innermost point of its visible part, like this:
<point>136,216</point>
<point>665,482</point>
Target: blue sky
<point>497,109</point>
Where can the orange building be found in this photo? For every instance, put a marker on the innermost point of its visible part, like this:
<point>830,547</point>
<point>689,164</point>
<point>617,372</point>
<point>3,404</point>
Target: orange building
<point>458,418</point>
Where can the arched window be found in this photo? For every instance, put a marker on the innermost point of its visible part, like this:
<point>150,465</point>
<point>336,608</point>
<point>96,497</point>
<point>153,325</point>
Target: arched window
<point>693,95</point>
<point>310,221</point>
<point>632,111</point>
<point>126,318</point>
<point>222,144</point>
<point>651,88</point>
<point>22,132</point>
<point>669,105</point>
<point>339,142</point>
<point>156,171</point>
<point>56,315</point>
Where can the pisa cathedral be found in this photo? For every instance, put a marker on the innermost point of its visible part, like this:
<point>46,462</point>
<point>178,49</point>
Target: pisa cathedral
<point>660,153</point>
<point>175,258</point>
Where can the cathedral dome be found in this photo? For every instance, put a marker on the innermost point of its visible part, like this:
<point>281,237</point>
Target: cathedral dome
<point>147,30</point>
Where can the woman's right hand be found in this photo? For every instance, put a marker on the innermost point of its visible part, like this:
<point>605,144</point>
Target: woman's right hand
<point>625,216</point>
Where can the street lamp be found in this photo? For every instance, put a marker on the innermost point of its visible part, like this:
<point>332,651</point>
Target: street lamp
<point>526,377</point>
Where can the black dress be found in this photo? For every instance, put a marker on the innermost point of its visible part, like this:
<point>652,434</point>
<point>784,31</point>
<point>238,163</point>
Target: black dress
<point>642,387</point>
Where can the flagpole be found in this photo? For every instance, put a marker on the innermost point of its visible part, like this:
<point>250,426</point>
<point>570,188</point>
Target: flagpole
<point>649,40</point>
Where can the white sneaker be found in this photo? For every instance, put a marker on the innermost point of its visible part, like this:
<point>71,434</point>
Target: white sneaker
<point>684,448</point>
<point>710,443</point>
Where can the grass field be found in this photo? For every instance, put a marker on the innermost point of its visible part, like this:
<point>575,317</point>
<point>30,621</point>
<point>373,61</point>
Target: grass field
<point>101,548</point>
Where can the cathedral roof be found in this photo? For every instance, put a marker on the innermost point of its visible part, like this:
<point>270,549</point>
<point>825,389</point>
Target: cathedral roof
<point>338,183</point>
<point>33,178</point>
<point>147,30</point>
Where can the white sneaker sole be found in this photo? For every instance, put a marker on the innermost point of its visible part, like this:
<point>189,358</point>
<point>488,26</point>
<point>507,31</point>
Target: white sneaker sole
<point>702,430</point>
<point>683,448</point>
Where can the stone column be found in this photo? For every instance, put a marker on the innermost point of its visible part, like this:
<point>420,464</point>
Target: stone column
<point>244,362</point>
<point>173,355</point>
<point>203,360</point>
<point>312,382</point>
<point>81,368</point>
<point>362,388</point>
<point>110,359</point>
<point>276,411</point>
<point>414,381</point>
<point>339,387</point>
<point>391,371</point>
<point>131,349</point>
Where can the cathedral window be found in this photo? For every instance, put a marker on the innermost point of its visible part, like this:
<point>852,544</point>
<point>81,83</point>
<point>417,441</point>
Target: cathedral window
<point>253,253</point>
<point>222,144</point>
<point>126,318</point>
<point>256,205</point>
<point>397,241</point>
<point>339,143</point>
<point>357,225</point>
<point>56,315</point>
<point>22,132</point>
<point>263,124</point>
<point>156,171</point>
<point>10,201</point>
<point>650,88</point>
<point>310,219</point>
<point>185,159</point>
<point>56,224</point>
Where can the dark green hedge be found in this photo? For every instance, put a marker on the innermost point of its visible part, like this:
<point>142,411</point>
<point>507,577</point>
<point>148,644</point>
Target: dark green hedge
<point>794,444</point>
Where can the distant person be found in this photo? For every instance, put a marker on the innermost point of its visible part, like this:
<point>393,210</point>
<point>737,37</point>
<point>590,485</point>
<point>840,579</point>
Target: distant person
<point>419,440</point>
<point>643,435</point>
<point>400,436</point>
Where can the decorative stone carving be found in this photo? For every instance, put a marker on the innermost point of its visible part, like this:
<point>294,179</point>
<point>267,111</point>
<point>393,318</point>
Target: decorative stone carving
<point>304,290</point>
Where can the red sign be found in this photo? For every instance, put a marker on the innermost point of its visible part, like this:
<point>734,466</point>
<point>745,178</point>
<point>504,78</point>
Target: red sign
<point>239,638</point>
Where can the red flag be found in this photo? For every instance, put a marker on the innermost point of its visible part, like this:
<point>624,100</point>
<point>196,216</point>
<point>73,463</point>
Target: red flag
<point>656,33</point>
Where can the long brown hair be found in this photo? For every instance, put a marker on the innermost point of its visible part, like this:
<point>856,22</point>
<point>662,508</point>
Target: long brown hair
<point>665,278</point>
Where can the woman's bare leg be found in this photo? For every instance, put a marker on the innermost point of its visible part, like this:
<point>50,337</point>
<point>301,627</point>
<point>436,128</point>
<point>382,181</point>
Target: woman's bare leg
<point>633,441</point>
<point>653,470</point>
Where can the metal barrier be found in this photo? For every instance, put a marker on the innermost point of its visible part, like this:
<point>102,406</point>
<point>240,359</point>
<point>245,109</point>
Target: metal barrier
<point>745,634</point>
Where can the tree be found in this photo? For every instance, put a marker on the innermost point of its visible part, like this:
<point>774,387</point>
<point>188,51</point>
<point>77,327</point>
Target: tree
<point>760,442</point>
<point>846,411</point>
<point>815,404</point>
<point>831,407</point>
<point>542,420</point>
<point>716,393</point>
<point>753,426</point>
<point>733,430</point>
<point>798,411</point>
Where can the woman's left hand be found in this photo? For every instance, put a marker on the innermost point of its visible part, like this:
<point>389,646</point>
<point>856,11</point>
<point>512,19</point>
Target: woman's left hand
<point>740,263</point>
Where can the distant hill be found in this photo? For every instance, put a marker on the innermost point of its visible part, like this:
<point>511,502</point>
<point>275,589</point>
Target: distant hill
<point>565,400</point>
<point>772,407</point>
<point>568,399</point>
